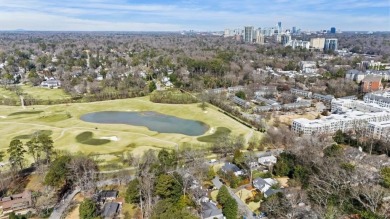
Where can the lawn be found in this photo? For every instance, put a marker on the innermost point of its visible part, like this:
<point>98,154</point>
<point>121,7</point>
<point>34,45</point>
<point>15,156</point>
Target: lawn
<point>44,93</point>
<point>74,135</point>
<point>214,195</point>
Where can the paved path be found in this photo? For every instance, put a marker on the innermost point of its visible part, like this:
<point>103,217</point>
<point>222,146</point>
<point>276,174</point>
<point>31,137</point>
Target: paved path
<point>60,207</point>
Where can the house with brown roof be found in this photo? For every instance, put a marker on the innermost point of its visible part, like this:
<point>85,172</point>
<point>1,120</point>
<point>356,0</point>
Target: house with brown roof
<point>15,203</point>
<point>371,83</point>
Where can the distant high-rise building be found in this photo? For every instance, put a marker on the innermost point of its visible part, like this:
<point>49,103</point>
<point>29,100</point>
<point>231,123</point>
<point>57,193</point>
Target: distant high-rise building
<point>332,30</point>
<point>317,43</point>
<point>248,34</point>
<point>279,27</point>
<point>278,38</point>
<point>227,33</point>
<point>331,44</point>
<point>260,39</point>
<point>294,30</point>
<point>285,39</point>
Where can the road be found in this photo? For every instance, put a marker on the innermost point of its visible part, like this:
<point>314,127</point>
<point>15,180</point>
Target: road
<point>241,205</point>
<point>63,205</point>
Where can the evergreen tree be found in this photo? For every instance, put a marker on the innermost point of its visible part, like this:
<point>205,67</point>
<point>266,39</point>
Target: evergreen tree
<point>230,208</point>
<point>16,153</point>
<point>132,192</point>
<point>88,209</point>
<point>223,195</point>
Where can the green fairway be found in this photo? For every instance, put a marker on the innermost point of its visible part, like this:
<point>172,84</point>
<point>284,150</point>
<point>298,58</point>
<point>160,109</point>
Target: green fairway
<point>25,113</point>
<point>87,138</point>
<point>214,137</point>
<point>44,93</point>
<point>23,137</point>
<point>74,135</point>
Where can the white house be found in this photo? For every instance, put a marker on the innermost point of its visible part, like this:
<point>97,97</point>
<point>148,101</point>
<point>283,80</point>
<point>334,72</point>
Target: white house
<point>263,185</point>
<point>268,160</point>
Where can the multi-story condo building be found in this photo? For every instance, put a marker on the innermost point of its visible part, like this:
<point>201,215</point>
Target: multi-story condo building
<point>248,34</point>
<point>331,44</point>
<point>301,93</point>
<point>326,99</point>
<point>260,38</point>
<point>379,130</point>
<point>351,114</point>
<point>298,44</point>
<point>380,98</point>
<point>317,43</point>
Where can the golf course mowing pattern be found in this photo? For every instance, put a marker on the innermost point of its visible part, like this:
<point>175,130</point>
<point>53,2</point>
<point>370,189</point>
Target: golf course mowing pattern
<point>87,138</point>
<point>215,136</point>
<point>26,113</point>
<point>55,117</point>
<point>17,122</point>
<point>26,137</point>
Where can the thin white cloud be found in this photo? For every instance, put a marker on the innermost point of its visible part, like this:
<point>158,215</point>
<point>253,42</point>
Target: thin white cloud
<point>190,14</point>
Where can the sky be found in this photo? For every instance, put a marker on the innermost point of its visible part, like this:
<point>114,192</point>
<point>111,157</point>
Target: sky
<point>198,15</point>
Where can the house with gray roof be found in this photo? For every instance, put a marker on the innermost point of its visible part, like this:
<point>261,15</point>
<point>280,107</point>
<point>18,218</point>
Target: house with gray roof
<point>110,210</point>
<point>229,167</point>
<point>211,211</point>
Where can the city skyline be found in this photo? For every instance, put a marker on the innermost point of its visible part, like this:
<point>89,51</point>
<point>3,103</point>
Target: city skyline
<point>199,15</point>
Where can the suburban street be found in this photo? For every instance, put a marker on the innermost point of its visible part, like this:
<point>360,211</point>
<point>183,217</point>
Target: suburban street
<point>241,205</point>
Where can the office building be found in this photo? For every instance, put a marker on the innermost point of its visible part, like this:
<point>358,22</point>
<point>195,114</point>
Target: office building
<point>317,43</point>
<point>331,44</point>
<point>248,34</point>
<point>294,30</point>
<point>280,27</point>
<point>332,30</point>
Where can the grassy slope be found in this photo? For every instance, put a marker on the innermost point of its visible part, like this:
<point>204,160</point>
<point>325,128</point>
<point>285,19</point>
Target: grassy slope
<point>65,130</point>
<point>44,93</point>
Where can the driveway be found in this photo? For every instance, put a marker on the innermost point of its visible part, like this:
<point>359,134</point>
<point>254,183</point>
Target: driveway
<point>60,207</point>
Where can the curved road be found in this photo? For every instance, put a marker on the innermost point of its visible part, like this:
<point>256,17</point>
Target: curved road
<point>63,205</point>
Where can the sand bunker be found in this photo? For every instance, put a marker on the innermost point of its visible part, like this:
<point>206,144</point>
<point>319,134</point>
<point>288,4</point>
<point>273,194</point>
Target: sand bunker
<point>111,138</point>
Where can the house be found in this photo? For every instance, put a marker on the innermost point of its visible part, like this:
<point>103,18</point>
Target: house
<point>267,160</point>
<point>107,195</point>
<point>15,203</point>
<point>51,83</point>
<point>271,192</point>
<point>210,211</point>
<point>229,167</point>
<point>110,210</point>
<point>263,185</point>
<point>371,83</point>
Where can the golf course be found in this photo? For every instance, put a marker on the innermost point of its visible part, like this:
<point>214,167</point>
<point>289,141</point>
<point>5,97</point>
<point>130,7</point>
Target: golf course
<point>70,133</point>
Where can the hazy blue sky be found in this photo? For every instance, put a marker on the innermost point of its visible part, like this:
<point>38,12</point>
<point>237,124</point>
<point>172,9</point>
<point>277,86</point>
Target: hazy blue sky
<point>204,15</point>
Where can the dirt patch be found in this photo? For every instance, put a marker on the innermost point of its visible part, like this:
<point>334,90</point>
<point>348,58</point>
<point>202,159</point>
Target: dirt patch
<point>283,181</point>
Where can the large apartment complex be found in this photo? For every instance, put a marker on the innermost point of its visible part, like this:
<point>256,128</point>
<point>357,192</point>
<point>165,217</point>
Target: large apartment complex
<point>348,114</point>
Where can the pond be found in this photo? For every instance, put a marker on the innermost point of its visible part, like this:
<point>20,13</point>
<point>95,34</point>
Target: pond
<point>152,120</point>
